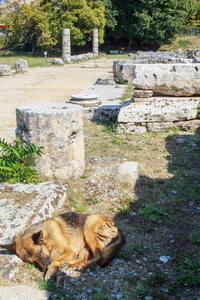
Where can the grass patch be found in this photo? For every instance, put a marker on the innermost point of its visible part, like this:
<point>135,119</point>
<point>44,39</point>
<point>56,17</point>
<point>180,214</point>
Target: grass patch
<point>58,292</point>
<point>128,93</point>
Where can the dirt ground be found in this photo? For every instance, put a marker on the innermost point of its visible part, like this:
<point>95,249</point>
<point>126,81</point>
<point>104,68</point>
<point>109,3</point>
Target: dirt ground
<point>46,84</point>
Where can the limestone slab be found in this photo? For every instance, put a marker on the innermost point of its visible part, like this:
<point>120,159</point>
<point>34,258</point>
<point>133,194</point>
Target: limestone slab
<point>173,79</point>
<point>156,113</point>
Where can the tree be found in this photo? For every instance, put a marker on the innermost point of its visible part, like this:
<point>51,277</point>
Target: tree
<point>80,16</point>
<point>29,28</point>
<point>152,22</point>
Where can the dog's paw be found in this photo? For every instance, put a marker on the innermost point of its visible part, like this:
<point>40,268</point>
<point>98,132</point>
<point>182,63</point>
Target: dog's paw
<point>64,267</point>
<point>50,272</point>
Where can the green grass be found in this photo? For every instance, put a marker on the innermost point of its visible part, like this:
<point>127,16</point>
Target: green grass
<point>58,292</point>
<point>128,93</point>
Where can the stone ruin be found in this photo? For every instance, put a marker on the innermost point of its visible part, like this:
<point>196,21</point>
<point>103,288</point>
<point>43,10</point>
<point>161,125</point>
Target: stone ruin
<point>123,68</point>
<point>165,94</point>
<point>21,66</point>
<point>58,128</point>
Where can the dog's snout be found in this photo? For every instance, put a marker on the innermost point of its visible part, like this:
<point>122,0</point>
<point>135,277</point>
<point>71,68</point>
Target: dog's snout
<point>47,260</point>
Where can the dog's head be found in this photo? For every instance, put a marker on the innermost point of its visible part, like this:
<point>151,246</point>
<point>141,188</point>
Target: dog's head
<point>31,247</point>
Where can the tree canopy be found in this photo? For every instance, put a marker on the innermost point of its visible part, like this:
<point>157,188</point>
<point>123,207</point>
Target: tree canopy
<point>152,21</point>
<point>80,16</point>
<point>147,22</point>
<point>29,27</point>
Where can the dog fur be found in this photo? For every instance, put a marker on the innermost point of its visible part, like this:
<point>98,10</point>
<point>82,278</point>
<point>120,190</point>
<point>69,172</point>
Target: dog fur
<point>72,238</point>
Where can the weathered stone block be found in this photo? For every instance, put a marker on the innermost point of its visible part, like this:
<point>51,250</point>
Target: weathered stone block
<point>156,113</point>
<point>4,70</point>
<point>21,66</point>
<point>173,79</point>
<point>59,128</point>
<point>123,70</point>
<point>127,173</point>
<point>58,61</point>
<point>143,93</point>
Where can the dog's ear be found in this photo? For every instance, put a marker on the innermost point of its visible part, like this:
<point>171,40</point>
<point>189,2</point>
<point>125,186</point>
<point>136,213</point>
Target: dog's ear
<point>10,247</point>
<point>37,237</point>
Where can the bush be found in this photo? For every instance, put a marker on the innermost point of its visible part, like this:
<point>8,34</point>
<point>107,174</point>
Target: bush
<point>13,162</point>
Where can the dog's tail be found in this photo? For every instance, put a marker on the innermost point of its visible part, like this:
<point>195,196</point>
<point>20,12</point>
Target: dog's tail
<point>112,249</point>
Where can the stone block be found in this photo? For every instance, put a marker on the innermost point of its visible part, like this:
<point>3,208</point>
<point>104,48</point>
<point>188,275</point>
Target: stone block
<point>105,81</point>
<point>156,113</point>
<point>123,70</point>
<point>173,79</point>
<point>4,70</point>
<point>21,66</point>
<point>58,61</point>
<point>59,128</point>
<point>143,93</point>
<point>127,173</point>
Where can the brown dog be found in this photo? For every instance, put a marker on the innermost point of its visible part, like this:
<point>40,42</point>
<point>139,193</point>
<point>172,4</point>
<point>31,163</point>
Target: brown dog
<point>73,238</point>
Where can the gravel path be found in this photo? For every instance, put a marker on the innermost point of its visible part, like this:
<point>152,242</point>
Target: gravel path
<point>46,84</point>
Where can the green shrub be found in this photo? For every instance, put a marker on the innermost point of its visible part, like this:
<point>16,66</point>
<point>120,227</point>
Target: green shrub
<point>13,161</point>
<point>184,43</point>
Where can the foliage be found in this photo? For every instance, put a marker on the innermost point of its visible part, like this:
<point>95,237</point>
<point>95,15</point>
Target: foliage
<point>80,16</point>
<point>150,212</point>
<point>151,21</point>
<point>110,14</point>
<point>13,161</point>
<point>29,27</point>
<point>184,42</point>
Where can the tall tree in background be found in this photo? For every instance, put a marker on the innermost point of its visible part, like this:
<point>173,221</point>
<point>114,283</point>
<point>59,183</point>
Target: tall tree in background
<point>79,16</point>
<point>29,28</point>
<point>152,22</point>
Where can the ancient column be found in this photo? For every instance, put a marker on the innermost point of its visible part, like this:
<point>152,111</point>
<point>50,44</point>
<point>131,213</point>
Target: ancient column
<point>95,42</point>
<point>58,127</point>
<point>66,45</point>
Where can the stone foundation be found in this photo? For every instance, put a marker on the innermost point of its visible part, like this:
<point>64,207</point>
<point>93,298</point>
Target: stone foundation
<point>59,128</point>
<point>156,113</point>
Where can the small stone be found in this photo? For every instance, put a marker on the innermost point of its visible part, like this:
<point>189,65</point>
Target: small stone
<point>143,93</point>
<point>58,61</point>
<point>148,298</point>
<point>138,261</point>
<point>164,259</point>
<point>144,259</point>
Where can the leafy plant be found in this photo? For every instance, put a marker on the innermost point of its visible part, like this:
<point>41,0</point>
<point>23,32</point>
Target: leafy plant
<point>110,126</point>
<point>184,42</point>
<point>117,140</point>
<point>150,212</point>
<point>13,161</point>
<point>125,208</point>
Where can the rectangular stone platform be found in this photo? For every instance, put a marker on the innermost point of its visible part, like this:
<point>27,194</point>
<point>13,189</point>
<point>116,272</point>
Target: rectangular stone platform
<point>156,113</point>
